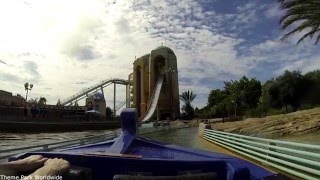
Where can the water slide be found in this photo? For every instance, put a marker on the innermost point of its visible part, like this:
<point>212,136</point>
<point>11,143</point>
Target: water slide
<point>154,99</point>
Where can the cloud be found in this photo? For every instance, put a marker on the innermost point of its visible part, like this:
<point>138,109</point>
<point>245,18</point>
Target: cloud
<point>93,40</point>
<point>3,62</point>
<point>82,52</point>
<point>274,11</point>
<point>123,26</point>
<point>8,77</point>
<point>81,82</point>
<point>31,68</point>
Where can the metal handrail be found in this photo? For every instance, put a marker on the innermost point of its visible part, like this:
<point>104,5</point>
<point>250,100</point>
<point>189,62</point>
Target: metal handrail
<point>270,152</point>
<point>302,145</point>
<point>295,151</point>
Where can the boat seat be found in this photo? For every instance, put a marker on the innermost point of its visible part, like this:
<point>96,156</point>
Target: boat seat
<point>201,176</point>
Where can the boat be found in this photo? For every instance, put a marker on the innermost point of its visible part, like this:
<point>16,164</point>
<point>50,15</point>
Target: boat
<point>131,157</point>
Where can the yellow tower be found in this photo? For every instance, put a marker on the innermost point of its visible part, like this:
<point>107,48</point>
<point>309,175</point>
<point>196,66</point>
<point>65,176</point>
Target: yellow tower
<point>148,69</point>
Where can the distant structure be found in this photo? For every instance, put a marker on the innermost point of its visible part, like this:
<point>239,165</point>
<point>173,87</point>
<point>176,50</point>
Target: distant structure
<point>7,99</point>
<point>146,71</point>
<point>96,102</point>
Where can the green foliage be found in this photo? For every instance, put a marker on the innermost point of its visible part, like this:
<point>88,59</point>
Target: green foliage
<point>234,99</point>
<point>33,101</point>
<point>302,15</point>
<point>187,97</point>
<point>246,97</point>
<point>42,101</point>
<point>289,88</point>
<point>216,96</point>
<point>58,103</point>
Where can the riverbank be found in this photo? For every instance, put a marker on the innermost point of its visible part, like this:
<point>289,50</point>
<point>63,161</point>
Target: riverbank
<point>277,126</point>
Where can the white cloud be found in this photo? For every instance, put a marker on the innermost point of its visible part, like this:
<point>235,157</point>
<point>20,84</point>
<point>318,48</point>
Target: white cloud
<point>65,46</point>
<point>274,11</point>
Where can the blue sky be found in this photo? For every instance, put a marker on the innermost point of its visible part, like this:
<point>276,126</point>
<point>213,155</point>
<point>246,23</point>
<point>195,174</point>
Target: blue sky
<point>65,46</point>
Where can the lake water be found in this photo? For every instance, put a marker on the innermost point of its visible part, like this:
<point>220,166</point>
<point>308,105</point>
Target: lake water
<point>13,140</point>
<point>186,137</point>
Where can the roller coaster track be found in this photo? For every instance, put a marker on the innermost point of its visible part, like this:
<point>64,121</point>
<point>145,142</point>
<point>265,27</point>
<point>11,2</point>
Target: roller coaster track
<point>84,93</point>
<point>120,105</point>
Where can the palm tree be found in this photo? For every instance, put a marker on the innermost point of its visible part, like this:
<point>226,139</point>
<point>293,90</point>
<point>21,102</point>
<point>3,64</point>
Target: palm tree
<point>33,101</point>
<point>28,88</point>
<point>58,103</point>
<point>305,13</point>
<point>42,101</point>
<point>187,97</point>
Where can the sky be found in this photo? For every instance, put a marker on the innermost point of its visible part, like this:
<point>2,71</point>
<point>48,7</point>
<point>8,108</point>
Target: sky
<point>64,46</point>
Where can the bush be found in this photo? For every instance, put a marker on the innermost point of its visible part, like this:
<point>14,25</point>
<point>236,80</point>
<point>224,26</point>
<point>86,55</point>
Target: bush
<point>308,106</point>
<point>254,112</point>
<point>273,111</point>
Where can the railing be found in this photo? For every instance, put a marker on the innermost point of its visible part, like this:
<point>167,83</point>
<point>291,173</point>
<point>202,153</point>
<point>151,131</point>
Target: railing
<point>92,88</point>
<point>120,105</point>
<point>301,160</point>
<point>56,145</point>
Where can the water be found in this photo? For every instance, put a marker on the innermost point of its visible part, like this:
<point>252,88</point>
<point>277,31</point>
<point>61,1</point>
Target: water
<point>187,137</point>
<point>13,140</point>
<point>184,137</point>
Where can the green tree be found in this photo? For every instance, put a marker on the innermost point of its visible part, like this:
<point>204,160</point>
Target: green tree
<point>242,94</point>
<point>266,98</point>
<point>290,89</point>
<point>250,91</point>
<point>42,101</point>
<point>187,97</point>
<point>58,103</point>
<point>33,101</point>
<point>302,15</point>
<point>311,84</point>
<point>216,96</point>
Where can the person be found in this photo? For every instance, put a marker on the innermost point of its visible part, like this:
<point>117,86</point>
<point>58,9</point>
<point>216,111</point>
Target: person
<point>40,165</point>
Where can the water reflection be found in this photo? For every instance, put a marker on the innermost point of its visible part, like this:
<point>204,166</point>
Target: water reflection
<point>187,137</point>
<point>13,140</point>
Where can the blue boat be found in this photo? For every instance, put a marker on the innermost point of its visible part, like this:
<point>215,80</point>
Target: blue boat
<point>132,157</point>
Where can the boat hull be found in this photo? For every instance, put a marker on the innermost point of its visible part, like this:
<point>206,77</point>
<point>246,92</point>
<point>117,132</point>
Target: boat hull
<point>152,158</point>
<point>128,155</point>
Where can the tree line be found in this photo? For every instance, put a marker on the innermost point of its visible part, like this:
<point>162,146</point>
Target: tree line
<point>247,97</point>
